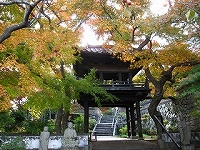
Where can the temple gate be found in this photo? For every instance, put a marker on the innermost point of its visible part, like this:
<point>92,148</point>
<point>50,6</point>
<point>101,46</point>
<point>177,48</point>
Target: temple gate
<point>116,78</point>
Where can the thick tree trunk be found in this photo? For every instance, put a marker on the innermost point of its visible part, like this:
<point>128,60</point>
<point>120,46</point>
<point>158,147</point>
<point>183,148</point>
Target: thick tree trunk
<point>158,95</point>
<point>153,111</point>
<point>59,120</point>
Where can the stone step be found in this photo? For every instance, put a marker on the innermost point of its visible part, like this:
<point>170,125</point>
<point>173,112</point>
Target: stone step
<point>104,129</point>
<point>107,119</point>
<point>103,133</point>
<point>104,125</point>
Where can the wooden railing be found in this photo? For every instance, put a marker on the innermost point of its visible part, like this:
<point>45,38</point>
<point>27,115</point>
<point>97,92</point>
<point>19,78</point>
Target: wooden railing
<point>122,84</point>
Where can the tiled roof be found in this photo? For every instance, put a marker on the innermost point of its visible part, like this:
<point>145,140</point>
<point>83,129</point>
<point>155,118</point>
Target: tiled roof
<point>96,49</point>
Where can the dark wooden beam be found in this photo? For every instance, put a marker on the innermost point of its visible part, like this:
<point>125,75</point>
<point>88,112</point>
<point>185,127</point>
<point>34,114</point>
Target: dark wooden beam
<point>133,127</point>
<point>128,121</point>
<point>139,119</point>
<point>86,116</point>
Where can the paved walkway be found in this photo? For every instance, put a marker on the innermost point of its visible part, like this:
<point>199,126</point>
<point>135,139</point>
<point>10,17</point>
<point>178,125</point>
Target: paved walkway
<point>110,138</point>
<point>116,143</point>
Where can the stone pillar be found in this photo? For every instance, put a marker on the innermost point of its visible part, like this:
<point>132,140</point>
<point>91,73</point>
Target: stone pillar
<point>184,107</point>
<point>185,133</point>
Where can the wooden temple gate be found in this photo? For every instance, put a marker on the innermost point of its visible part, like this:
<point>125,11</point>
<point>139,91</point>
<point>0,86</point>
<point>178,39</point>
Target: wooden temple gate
<point>116,78</point>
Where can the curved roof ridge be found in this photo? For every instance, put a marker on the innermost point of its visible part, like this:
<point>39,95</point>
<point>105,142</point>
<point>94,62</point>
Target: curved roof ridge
<point>97,49</point>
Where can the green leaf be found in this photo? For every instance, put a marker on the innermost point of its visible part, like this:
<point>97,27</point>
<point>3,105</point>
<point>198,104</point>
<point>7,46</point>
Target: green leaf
<point>191,15</point>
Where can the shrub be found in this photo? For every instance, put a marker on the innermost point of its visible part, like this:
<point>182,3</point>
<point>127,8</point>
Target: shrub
<point>13,144</point>
<point>35,126</point>
<point>6,122</point>
<point>79,124</point>
<point>123,131</point>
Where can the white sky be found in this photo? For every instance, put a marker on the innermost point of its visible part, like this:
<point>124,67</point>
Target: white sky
<point>158,7</point>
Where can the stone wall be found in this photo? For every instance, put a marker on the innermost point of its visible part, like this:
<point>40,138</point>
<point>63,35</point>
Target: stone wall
<point>32,142</point>
<point>184,107</point>
<point>166,107</point>
<point>177,115</point>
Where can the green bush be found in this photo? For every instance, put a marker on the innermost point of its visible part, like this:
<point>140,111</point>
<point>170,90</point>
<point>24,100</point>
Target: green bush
<point>51,125</point>
<point>79,124</point>
<point>6,122</point>
<point>13,144</point>
<point>123,131</point>
<point>35,126</point>
<point>12,121</point>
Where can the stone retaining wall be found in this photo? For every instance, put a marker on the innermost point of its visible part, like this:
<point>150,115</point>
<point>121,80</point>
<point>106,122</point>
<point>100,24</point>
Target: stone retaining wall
<point>32,142</point>
<point>195,140</point>
<point>195,136</point>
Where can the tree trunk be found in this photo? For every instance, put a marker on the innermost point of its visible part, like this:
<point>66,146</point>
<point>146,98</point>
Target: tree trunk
<point>153,111</point>
<point>59,120</point>
<point>65,120</point>
<point>158,95</point>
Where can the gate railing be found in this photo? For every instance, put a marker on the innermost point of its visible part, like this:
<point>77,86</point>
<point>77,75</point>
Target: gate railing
<point>173,140</point>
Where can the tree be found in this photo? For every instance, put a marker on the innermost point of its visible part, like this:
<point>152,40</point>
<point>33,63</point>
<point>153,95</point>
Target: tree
<point>49,35</point>
<point>133,30</point>
<point>44,42</point>
<point>190,86</point>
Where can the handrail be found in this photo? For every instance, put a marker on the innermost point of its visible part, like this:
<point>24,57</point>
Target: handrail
<point>96,125</point>
<point>115,126</point>
<point>114,122</point>
<point>179,147</point>
<point>100,119</point>
<point>94,128</point>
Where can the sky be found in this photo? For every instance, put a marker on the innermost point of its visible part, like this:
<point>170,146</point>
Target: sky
<point>158,7</point>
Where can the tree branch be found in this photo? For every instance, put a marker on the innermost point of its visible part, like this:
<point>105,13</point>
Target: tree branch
<point>150,77</point>
<point>14,2</point>
<point>115,26</point>
<point>25,22</point>
<point>133,33</point>
<point>167,75</point>
<point>145,42</point>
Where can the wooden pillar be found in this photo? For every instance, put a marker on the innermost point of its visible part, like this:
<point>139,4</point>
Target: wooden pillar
<point>146,82</point>
<point>128,121</point>
<point>139,124</point>
<point>130,76</point>
<point>86,116</point>
<point>120,76</point>
<point>133,129</point>
<point>101,76</point>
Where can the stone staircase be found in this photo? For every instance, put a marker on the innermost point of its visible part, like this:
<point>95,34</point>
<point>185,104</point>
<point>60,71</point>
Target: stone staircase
<point>105,127</point>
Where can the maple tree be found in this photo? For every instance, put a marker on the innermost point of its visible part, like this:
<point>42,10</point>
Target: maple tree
<point>37,49</point>
<point>133,30</point>
<point>18,19</point>
<point>128,25</point>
